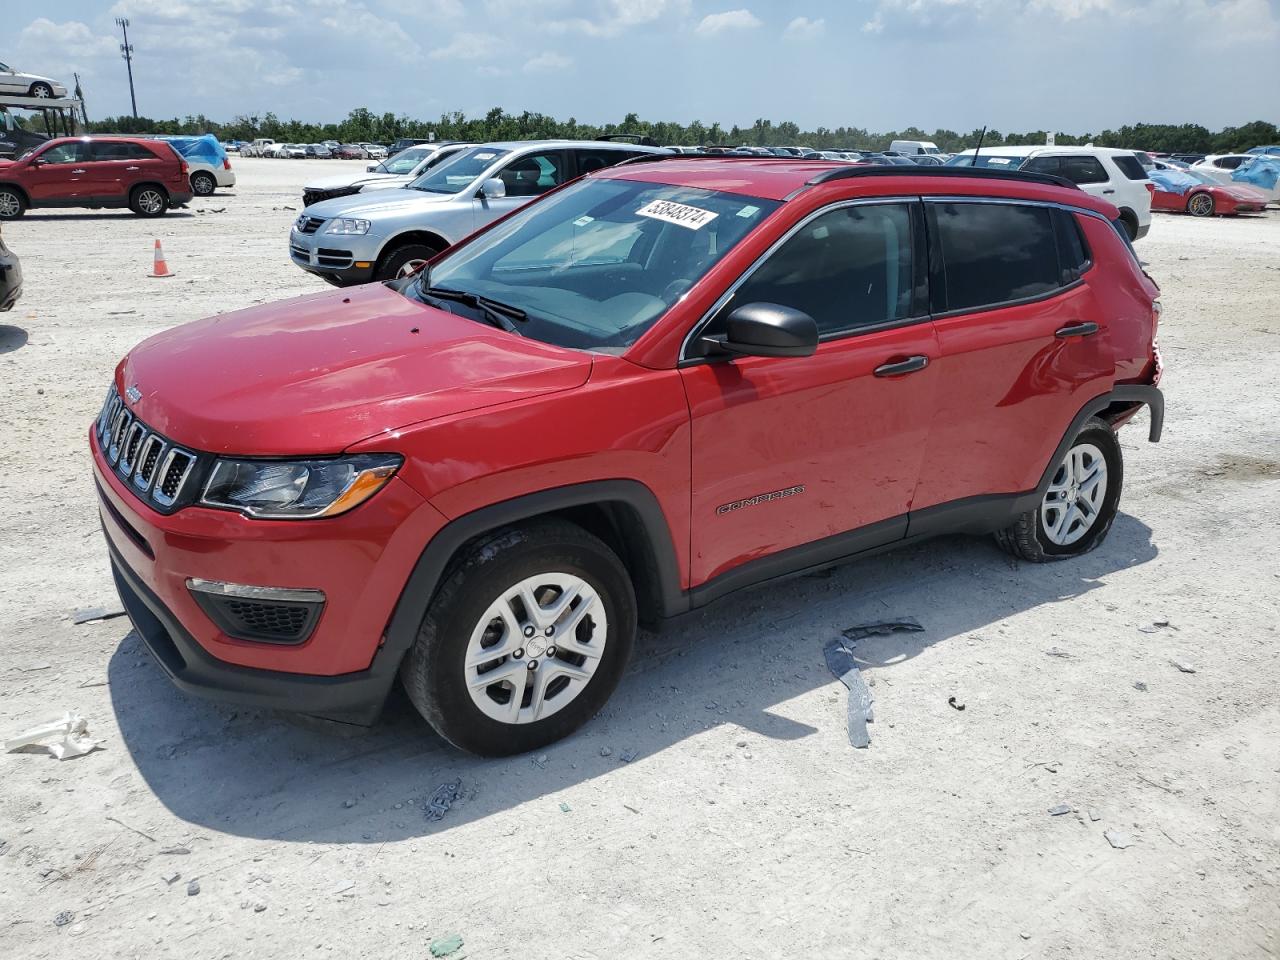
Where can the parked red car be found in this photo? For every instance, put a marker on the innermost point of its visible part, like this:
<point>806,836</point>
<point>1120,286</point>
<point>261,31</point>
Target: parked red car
<point>147,176</point>
<point>351,151</point>
<point>654,386</point>
<point>1207,198</point>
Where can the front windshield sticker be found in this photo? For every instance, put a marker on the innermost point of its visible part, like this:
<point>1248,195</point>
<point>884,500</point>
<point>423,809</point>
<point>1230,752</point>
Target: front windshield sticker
<point>582,221</point>
<point>682,216</point>
<point>1002,161</point>
<point>748,211</point>
<point>485,156</point>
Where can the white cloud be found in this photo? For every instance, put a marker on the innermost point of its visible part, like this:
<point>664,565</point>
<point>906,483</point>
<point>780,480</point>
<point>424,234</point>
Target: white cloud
<point>875,24</point>
<point>802,28</point>
<point>468,46</point>
<point>609,18</point>
<point>714,23</point>
<point>548,62</point>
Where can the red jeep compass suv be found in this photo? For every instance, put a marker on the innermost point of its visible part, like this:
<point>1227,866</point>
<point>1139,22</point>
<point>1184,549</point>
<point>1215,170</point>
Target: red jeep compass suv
<point>658,384</point>
<point>146,176</point>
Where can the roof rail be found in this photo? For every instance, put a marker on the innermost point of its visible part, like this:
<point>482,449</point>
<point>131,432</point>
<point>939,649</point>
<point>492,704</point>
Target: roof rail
<point>636,138</point>
<point>982,173</point>
<point>739,158</point>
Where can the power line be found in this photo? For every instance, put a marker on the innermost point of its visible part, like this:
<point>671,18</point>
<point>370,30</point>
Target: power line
<point>126,51</point>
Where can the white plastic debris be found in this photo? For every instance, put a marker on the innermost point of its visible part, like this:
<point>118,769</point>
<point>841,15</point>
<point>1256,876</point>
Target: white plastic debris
<point>65,738</point>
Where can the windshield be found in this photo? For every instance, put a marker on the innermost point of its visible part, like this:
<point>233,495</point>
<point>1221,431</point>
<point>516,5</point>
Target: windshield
<point>404,162</point>
<point>595,265</point>
<point>458,171</point>
<point>995,161</point>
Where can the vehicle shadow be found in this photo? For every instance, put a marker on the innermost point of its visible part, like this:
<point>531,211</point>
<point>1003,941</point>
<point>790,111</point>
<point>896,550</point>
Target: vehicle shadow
<point>12,338</point>
<point>104,215</point>
<point>255,774</point>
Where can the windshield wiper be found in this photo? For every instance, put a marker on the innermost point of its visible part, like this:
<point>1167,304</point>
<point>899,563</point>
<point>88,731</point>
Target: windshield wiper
<point>495,311</point>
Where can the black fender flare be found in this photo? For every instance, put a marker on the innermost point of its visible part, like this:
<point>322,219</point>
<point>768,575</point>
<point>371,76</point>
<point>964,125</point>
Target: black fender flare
<point>420,588</point>
<point>1143,394</point>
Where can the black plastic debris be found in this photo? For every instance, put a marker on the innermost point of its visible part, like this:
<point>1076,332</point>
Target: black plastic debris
<point>840,661</point>
<point>954,703</point>
<point>441,800</point>
<point>883,629</point>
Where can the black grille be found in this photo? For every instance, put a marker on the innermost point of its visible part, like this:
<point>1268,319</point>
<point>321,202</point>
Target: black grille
<point>269,621</point>
<point>172,479</point>
<point>154,468</point>
<point>310,196</point>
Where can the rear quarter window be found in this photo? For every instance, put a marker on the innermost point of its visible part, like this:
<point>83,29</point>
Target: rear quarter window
<point>1130,166</point>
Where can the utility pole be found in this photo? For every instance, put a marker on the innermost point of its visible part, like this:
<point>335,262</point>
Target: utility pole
<point>126,51</point>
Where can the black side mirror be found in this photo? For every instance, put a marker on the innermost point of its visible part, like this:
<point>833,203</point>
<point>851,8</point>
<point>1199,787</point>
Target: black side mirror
<point>766,330</point>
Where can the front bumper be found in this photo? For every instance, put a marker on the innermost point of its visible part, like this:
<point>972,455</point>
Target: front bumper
<point>360,561</point>
<point>348,259</point>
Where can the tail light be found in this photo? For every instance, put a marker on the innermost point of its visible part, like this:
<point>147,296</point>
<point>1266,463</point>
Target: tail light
<point>1151,188</point>
<point>226,163</point>
<point>186,169</point>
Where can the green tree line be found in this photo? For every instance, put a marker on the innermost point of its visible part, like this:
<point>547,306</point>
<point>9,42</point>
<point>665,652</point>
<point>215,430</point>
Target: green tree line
<point>364,125</point>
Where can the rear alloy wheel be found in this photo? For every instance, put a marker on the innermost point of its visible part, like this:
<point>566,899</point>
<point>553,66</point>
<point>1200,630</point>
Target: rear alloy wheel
<point>12,204</point>
<point>148,201</point>
<point>41,91</point>
<point>1077,510</point>
<point>203,184</point>
<point>525,640</point>
<point>403,261</point>
<point>1200,205</point>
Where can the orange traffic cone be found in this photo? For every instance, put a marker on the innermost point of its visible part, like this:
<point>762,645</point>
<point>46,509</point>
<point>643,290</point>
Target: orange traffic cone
<point>161,269</point>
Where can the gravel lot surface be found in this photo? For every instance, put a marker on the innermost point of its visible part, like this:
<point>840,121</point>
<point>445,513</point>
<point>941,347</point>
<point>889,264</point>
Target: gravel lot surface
<point>744,825</point>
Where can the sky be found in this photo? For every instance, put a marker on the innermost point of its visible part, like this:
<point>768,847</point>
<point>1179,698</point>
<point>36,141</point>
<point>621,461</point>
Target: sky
<point>1071,65</point>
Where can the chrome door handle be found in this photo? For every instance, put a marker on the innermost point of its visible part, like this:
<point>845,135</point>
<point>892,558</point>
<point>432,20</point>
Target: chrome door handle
<point>77,171</point>
<point>1108,191</point>
<point>133,168</point>
<point>900,367</point>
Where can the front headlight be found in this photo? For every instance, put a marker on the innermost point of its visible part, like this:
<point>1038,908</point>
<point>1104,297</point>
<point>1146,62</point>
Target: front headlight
<point>344,225</point>
<point>298,489</point>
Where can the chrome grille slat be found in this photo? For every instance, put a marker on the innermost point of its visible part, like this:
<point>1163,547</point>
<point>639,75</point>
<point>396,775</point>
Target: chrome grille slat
<point>152,467</point>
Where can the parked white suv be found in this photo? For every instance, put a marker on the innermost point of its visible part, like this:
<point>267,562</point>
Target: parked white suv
<point>395,172</point>
<point>1220,166</point>
<point>1109,173</point>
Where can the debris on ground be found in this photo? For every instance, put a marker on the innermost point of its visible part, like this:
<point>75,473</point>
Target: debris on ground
<point>629,755</point>
<point>62,919</point>
<point>1184,667</point>
<point>193,888</point>
<point>606,752</point>
<point>1118,839</point>
<point>1140,686</point>
<point>176,851</point>
<point>131,829</point>
<point>564,807</point>
<point>840,661</point>
<point>92,614</point>
<point>540,761</point>
<point>446,945</point>
<point>35,666</point>
<point>954,703</point>
<point>1094,815</point>
<point>171,879</point>
<point>349,803</point>
<point>882,629</point>
<point>66,738</point>
<point>441,800</point>
<point>1057,652</point>
<point>1059,809</point>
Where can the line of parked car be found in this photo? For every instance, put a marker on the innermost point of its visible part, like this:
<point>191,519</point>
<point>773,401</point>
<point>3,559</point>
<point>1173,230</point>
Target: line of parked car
<point>328,150</point>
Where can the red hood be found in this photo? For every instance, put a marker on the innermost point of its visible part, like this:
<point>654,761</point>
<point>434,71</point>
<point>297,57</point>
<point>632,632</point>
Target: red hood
<point>317,373</point>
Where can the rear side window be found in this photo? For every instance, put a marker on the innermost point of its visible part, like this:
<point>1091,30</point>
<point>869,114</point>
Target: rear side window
<point>596,159</point>
<point>849,268</point>
<point>1073,255</point>
<point>994,253</point>
<point>111,150</point>
<point>1130,166</point>
<point>1077,169</point>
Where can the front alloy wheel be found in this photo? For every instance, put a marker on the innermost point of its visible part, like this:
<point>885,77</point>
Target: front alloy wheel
<point>536,648</point>
<point>525,639</point>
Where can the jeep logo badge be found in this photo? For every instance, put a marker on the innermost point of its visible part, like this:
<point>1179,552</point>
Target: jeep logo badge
<point>133,394</point>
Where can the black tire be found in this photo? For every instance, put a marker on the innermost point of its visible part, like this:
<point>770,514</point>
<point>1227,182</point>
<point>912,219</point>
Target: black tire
<point>1130,224</point>
<point>148,200</point>
<point>1026,537</point>
<point>41,90</point>
<point>433,672</point>
<point>1198,208</point>
<point>12,203</point>
<point>203,183</point>
<point>394,260</point>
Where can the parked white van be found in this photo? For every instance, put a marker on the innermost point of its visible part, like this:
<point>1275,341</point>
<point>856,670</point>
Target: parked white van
<point>1105,172</point>
<point>910,148</point>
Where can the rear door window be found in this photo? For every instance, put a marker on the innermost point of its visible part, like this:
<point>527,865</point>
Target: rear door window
<point>993,253</point>
<point>109,150</point>
<point>533,174</point>
<point>596,159</point>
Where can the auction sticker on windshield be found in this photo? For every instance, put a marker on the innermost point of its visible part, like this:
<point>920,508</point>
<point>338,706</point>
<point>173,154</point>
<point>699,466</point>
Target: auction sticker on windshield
<point>684,216</point>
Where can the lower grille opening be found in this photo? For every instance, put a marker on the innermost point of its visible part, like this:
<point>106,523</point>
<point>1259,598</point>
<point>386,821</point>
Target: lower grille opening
<point>265,621</point>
